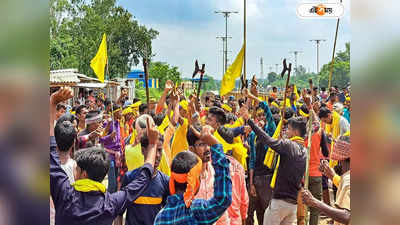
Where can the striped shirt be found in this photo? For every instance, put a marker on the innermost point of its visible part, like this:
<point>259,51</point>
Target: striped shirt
<point>202,211</point>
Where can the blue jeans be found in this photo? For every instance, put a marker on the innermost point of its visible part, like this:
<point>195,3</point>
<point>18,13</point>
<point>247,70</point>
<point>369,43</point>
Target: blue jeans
<point>112,177</point>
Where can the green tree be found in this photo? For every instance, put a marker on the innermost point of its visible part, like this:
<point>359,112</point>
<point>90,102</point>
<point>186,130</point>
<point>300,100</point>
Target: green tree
<point>76,29</point>
<point>341,70</point>
<point>163,72</point>
<point>272,76</point>
<point>210,85</point>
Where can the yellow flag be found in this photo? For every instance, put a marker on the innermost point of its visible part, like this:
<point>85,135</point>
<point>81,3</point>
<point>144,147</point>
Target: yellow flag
<point>233,72</point>
<point>99,62</point>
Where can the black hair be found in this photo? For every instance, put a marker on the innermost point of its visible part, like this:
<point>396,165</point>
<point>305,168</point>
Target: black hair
<point>68,117</point>
<point>323,89</point>
<point>61,106</point>
<point>274,88</point>
<point>158,118</point>
<point>289,113</point>
<point>274,110</point>
<point>191,137</point>
<point>323,112</point>
<point>298,123</point>
<point>207,98</point>
<point>183,163</point>
<point>277,118</point>
<point>107,102</point>
<point>230,117</point>
<point>91,91</point>
<point>226,134</point>
<point>115,107</point>
<point>271,99</point>
<point>65,134</point>
<point>304,108</point>
<point>144,140</point>
<point>94,161</point>
<point>242,101</point>
<point>92,113</point>
<point>315,88</point>
<point>217,103</point>
<point>142,108</point>
<point>135,100</point>
<point>79,109</point>
<point>219,113</point>
<point>308,91</point>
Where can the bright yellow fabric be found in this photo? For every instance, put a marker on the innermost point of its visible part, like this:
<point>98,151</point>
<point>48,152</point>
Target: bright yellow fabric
<point>184,104</point>
<point>336,180</point>
<point>234,71</point>
<point>148,200</point>
<point>238,123</point>
<point>273,180</point>
<point>179,142</point>
<point>303,114</point>
<point>269,156</point>
<point>86,185</point>
<point>127,110</point>
<point>136,105</point>
<point>274,104</point>
<point>135,159</point>
<point>239,152</point>
<point>295,92</point>
<point>133,156</point>
<point>287,103</point>
<point>334,130</point>
<point>163,125</point>
<point>227,107</point>
<point>98,63</point>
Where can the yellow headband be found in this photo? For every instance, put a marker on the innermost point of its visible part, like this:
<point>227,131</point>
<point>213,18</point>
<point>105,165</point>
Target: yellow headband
<point>117,110</point>
<point>184,104</point>
<point>227,107</point>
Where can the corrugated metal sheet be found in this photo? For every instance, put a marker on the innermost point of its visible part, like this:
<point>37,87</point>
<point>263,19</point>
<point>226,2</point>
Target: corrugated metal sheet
<point>64,76</point>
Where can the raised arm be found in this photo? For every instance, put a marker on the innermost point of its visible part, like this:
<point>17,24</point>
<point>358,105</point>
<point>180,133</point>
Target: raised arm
<point>160,105</point>
<point>211,210</point>
<point>278,145</point>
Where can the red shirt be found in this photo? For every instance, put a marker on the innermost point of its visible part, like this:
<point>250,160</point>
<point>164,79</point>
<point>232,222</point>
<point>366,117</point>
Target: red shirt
<point>315,155</point>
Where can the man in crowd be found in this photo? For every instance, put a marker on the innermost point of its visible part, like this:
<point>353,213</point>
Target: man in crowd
<point>283,205</point>
<point>86,201</point>
<point>80,113</point>
<point>144,209</point>
<point>182,207</point>
<point>341,212</point>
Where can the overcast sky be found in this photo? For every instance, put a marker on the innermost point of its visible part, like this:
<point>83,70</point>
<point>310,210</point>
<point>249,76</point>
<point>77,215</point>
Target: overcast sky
<point>188,31</point>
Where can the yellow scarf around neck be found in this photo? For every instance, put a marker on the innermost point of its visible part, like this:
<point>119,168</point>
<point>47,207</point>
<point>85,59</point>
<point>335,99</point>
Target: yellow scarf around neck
<point>270,155</point>
<point>87,185</point>
<point>297,139</point>
<point>334,130</point>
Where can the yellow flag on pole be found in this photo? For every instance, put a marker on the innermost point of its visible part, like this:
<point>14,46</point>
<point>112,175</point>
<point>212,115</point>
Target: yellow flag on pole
<point>99,62</point>
<point>233,72</point>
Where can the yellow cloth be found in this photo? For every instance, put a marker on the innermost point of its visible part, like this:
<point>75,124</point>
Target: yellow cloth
<point>303,114</point>
<point>238,123</point>
<point>184,104</point>
<point>334,130</point>
<point>274,104</point>
<point>179,142</point>
<point>86,185</point>
<point>227,107</point>
<point>98,63</point>
<point>163,125</point>
<point>273,180</point>
<point>127,110</point>
<point>287,103</point>
<point>133,156</point>
<point>296,93</point>
<point>136,104</point>
<point>148,200</point>
<point>234,71</point>
<point>269,156</point>
<point>239,152</point>
<point>135,159</point>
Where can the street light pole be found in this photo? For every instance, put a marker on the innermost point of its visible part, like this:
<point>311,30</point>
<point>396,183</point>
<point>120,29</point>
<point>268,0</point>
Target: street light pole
<point>295,60</point>
<point>317,42</point>
<point>226,15</point>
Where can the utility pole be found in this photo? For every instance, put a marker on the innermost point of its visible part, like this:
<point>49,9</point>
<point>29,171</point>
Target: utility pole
<point>224,54</point>
<point>295,60</point>
<point>226,15</point>
<point>317,42</point>
<point>262,68</point>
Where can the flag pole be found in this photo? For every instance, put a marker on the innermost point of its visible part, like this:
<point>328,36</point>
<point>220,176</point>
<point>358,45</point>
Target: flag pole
<point>244,40</point>
<point>306,179</point>
<point>108,87</point>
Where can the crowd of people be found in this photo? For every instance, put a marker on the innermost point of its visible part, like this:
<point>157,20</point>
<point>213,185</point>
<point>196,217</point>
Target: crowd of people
<point>209,160</point>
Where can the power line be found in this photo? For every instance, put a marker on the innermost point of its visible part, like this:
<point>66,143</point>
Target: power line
<point>224,54</point>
